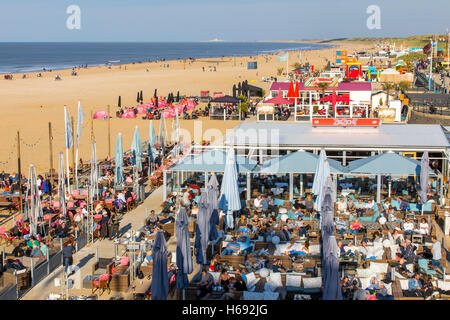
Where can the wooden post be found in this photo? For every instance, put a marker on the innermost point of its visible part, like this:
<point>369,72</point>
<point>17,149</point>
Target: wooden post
<point>50,149</point>
<point>109,131</point>
<point>19,170</point>
<point>92,126</point>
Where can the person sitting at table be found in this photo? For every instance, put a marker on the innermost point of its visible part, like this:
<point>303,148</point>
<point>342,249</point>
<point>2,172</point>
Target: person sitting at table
<point>360,208</point>
<point>341,206</point>
<point>285,235</point>
<point>309,204</point>
<point>25,231</point>
<point>424,228</point>
<point>264,205</point>
<point>355,227</point>
<point>47,209</point>
<point>231,247</point>
<point>277,266</point>
<point>408,228</point>
<point>62,230</point>
<point>341,226</point>
<point>370,206</point>
<point>257,202</point>
<point>351,208</point>
<point>152,220</point>
<point>296,248</point>
<point>239,283</point>
<point>224,280</point>
<point>206,283</point>
<point>36,252</point>
<point>302,227</point>
<point>398,237</point>
<point>273,209</point>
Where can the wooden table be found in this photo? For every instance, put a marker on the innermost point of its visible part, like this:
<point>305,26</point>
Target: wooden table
<point>140,287</point>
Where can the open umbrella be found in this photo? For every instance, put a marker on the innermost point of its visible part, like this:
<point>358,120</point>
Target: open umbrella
<point>424,176</point>
<point>136,149</point>
<point>184,255</point>
<point>118,159</point>
<point>160,277</point>
<point>229,192</point>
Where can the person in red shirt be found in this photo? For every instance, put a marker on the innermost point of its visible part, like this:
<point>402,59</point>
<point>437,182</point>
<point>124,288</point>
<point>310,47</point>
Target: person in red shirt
<point>355,227</point>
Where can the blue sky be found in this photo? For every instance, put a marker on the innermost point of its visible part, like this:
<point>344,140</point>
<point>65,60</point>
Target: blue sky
<point>200,20</point>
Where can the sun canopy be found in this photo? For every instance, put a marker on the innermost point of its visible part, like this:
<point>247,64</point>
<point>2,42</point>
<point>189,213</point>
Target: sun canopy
<point>386,163</point>
<point>298,162</point>
<point>213,161</point>
<point>226,99</point>
<point>279,100</point>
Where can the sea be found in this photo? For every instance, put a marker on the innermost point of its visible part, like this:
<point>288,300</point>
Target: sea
<point>18,57</point>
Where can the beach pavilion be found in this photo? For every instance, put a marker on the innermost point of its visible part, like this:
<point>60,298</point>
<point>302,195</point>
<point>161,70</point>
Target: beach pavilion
<point>387,152</point>
<point>224,103</point>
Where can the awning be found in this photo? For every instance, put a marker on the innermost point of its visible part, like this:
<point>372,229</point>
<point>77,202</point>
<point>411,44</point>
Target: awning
<point>298,162</point>
<point>386,164</point>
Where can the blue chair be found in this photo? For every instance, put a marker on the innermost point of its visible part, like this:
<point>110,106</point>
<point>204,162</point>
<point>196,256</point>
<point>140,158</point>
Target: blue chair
<point>278,202</point>
<point>405,192</point>
<point>423,266</point>
<point>414,207</point>
<point>428,207</point>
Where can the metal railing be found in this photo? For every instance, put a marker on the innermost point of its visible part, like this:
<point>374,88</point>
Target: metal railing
<point>44,268</point>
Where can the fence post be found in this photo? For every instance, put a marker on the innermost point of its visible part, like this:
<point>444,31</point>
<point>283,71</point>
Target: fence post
<point>32,271</point>
<point>76,240</point>
<point>61,247</point>
<point>48,262</point>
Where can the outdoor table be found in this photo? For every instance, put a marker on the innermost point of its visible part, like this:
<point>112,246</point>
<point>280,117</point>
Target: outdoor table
<point>140,287</point>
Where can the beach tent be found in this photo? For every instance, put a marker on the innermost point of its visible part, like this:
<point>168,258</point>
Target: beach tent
<point>129,114</point>
<point>214,161</point>
<point>101,115</point>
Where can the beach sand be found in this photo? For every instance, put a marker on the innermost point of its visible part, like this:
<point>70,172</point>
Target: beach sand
<point>28,105</point>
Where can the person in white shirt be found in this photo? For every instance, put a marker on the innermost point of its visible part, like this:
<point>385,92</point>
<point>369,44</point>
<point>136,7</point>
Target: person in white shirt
<point>121,196</point>
<point>342,206</point>
<point>257,202</point>
<point>408,227</point>
<point>424,228</point>
<point>370,205</point>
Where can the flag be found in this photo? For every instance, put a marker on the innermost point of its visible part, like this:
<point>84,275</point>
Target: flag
<point>69,134</point>
<point>80,122</point>
<point>427,48</point>
<point>283,57</point>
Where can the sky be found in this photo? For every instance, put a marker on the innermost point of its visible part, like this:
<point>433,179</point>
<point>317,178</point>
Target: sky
<point>231,20</point>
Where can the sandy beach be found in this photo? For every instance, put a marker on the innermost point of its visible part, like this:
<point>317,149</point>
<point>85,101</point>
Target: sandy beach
<point>29,104</point>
